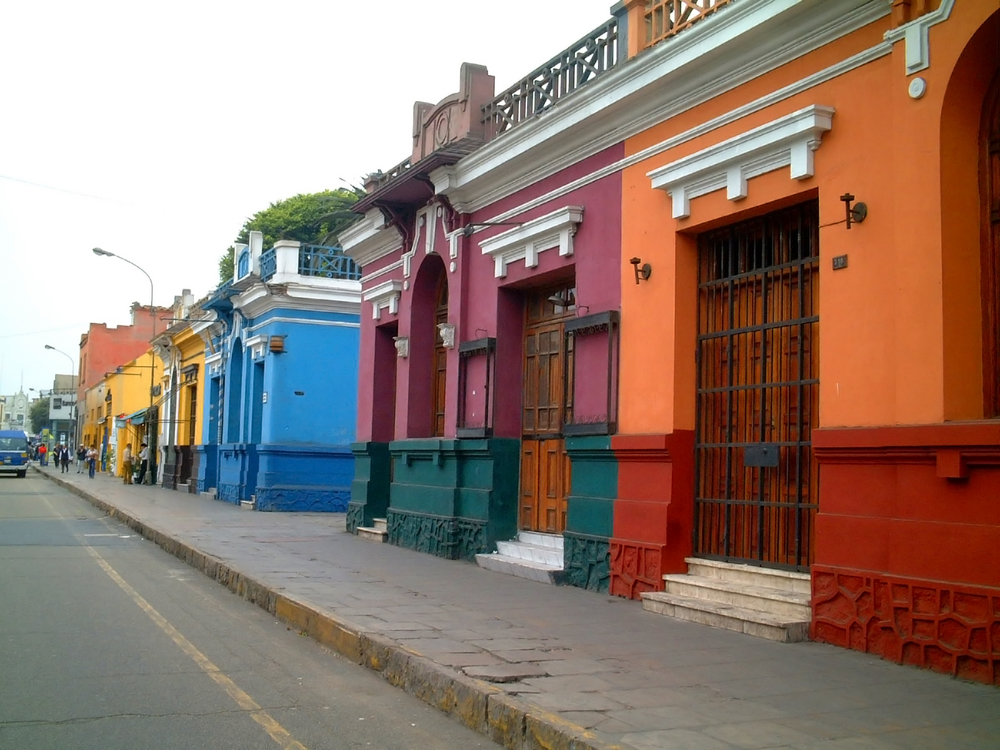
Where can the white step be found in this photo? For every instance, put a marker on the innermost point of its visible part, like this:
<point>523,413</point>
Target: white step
<point>787,580</point>
<point>778,602</point>
<point>727,616</point>
<point>541,540</point>
<point>372,533</point>
<point>516,566</point>
<point>532,552</point>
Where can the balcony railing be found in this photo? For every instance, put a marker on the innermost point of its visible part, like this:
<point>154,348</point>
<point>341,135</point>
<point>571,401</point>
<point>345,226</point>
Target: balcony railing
<point>328,262</point>
<point>583,62</point>
<point>268,264</point>
<point>664,18</point>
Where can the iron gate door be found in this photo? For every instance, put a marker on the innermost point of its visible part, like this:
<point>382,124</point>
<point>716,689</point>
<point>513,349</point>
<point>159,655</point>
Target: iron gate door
<point>757,400</point>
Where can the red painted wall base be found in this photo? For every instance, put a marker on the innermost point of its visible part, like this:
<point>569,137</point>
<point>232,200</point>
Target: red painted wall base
<point>636,567</point>
<point>945,627</point>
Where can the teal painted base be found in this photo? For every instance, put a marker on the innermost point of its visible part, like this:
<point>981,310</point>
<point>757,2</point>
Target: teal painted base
<point>587,561</point>
<point>453,498</point>
<point>370,487</point>
<point>591,501</point>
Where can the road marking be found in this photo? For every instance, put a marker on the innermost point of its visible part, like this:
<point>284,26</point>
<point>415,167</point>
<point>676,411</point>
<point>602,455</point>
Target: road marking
<point>100,535</point>
<point>277,732</point>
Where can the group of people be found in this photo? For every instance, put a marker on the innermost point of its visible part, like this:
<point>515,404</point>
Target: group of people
<point>62,454</point>
<point>86,458</point>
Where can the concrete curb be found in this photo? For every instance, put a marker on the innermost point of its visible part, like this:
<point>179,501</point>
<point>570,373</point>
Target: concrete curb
<point>507,720</point>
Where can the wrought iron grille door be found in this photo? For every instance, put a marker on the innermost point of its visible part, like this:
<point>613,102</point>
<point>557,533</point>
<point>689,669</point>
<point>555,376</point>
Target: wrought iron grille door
<point>758,390</point>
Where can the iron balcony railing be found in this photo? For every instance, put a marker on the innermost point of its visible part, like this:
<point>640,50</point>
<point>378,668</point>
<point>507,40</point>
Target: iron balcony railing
<point>268,264</point>
<point>583,62</point>
<point>328,262</point>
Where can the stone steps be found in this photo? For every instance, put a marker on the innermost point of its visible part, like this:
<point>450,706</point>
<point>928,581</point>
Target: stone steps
<point>534,556</point>
<point>377,533</point>
<point>766,603</point>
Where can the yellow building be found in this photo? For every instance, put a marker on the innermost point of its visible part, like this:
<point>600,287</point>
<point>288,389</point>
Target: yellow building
<point>181,352</point>
<point>126,407</point>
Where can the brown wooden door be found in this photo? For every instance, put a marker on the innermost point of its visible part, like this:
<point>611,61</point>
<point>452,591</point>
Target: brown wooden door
<point>544,464</point>
<point>439,386</point>
<point>758,390</point>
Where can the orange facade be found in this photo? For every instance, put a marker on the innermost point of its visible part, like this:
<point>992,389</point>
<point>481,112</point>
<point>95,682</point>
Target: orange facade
<point>865,357</point>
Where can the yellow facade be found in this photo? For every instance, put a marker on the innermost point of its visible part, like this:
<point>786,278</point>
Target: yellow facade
<point>127,392</point>
<point>190,386</point>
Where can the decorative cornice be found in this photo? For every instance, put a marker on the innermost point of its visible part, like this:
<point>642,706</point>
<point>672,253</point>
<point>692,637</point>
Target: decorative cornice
<point>370,238</point>
<point>787,141</point>
<point>917,35</point>
<point>385,296</point>
<point>255,345</point>
<point>662,82</point>
<point>555,229</point>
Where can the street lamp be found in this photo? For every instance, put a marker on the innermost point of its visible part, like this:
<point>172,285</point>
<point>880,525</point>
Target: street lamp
<point>149,436</point>
<point>76,390</point>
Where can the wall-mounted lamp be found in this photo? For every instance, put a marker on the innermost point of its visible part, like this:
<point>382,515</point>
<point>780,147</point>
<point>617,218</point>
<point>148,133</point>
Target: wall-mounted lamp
<point>469,229</point>
<point>642,272</point>
<point>276,344</point>
<point>855,214</point>
<point>563,299</point>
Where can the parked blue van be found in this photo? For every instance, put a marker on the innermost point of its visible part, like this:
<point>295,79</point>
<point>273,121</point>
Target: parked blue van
<point>14,452</point>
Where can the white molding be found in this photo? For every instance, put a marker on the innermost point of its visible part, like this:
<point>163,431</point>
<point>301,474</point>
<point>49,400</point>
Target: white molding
<point>382,271</point>
<point>318,295</point>
<point>213,363</point>
<point>555,229</point>
<point>718,54</point>
<point>255,345</point>
<point>370,239</point>
<point>385,296</point>
<point>917,35</point>
<point>788,141</point>
<point>856,61</point>
<point>305,321</point>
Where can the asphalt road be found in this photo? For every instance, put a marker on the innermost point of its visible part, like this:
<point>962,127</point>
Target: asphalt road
<point>108,642</point>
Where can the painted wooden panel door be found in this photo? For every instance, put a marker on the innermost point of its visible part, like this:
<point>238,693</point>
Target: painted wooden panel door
<point>544,464</point>
<point>758,326</point>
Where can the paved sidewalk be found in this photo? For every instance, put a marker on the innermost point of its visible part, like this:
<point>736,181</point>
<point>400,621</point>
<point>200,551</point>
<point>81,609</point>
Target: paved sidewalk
<point>585,670</point>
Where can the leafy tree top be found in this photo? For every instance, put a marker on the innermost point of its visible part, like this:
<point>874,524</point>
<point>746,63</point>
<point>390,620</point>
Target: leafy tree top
<point>312,219</point>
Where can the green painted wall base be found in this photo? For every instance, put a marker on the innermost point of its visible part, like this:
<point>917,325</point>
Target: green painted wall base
<point>370,487</point>
<point>587,561</point>
<point>453,498</point>
<point>590,512</point>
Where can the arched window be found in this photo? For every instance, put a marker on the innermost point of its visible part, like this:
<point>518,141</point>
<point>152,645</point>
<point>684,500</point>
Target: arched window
<point>990,184</point>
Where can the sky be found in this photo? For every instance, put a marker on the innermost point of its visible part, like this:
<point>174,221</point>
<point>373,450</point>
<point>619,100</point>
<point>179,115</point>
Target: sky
<point>155,130</point>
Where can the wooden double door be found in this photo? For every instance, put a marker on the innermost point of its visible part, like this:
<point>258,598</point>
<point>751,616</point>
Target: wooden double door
<point>758,390</point>
<point>545,468</point>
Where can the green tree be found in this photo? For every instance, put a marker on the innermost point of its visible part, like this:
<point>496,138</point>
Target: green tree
<point>38,414</point>
<point>312,219</point>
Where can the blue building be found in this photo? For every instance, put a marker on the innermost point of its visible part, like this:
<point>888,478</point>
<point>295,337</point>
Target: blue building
<point>280,399</point>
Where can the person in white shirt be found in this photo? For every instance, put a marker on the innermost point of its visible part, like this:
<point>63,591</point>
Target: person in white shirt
<point>143,461</point>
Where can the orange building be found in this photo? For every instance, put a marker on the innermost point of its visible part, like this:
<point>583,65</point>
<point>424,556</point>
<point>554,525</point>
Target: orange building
<point>810,377</point>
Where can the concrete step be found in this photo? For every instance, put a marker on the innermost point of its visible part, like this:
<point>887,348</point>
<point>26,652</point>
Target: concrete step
<point>541,540</point>
<point>762,598</point>
<point>787,580</point>
<point>517,566</point>
<point>727,616</point>
<point>372,533</point>
<point>381,524</point>
<point>532,552</point>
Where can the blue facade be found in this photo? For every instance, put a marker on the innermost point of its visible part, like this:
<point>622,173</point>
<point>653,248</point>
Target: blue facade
<point>280,402</point>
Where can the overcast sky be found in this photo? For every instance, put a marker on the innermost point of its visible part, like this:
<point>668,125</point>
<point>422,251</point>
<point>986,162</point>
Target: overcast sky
<point>154,130</point>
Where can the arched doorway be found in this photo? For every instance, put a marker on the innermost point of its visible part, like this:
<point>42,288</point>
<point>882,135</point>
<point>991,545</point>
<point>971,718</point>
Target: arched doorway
<point>990,192</point>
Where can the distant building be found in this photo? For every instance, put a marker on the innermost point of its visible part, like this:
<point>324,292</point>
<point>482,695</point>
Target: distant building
<point>14,412</point>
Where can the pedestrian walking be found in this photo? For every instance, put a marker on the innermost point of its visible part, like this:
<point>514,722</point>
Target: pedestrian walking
<point>43,454</point>
<point>81,458</point>
<point>64,455</point>
<point>143,462</point>
<point>91,461</point>
<point>127,464</point>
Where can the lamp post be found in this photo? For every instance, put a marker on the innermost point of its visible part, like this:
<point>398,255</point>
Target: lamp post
<point>149,437</point>
<point>76,390</point>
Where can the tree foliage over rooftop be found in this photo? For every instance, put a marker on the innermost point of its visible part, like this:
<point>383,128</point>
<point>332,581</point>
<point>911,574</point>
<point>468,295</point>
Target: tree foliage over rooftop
<point>312,219</point>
